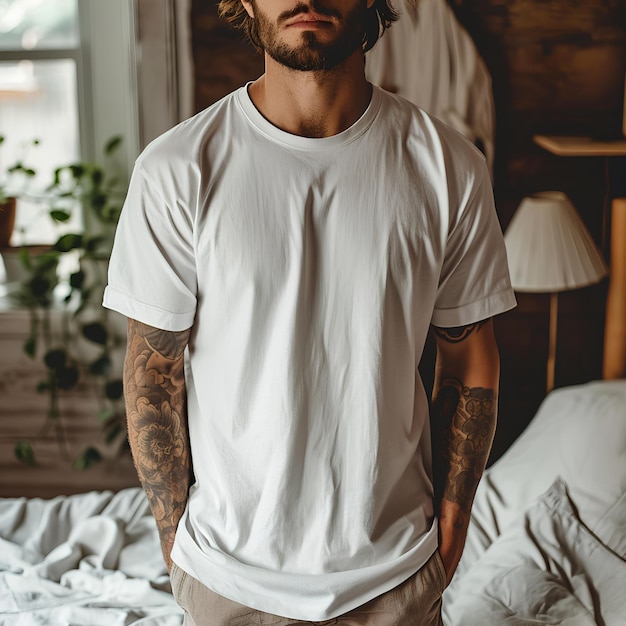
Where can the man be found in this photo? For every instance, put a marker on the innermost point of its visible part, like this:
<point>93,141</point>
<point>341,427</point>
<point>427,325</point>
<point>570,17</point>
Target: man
<point>281,257</point>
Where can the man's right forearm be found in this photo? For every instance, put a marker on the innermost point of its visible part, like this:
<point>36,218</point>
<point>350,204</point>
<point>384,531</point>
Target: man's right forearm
<point>156,409</point>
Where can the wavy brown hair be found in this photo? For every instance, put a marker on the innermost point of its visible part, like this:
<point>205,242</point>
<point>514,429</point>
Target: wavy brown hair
<point>379,17</point>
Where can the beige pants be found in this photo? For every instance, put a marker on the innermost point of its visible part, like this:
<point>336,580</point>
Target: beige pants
<point>415,602</point>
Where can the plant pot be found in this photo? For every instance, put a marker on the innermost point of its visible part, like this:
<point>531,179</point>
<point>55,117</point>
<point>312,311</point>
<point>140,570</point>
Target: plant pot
<point>7,221</point>
<point>15,272</point>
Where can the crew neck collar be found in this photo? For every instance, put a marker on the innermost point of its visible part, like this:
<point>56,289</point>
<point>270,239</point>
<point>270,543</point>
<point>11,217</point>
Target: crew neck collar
<point>308,143</point>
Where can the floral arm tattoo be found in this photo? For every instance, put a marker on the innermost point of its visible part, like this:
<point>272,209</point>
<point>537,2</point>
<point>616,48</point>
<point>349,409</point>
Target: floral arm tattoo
<point>464,422</point>
<point>156,408</point>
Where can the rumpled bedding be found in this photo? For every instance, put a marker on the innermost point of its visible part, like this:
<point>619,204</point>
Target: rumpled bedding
<point>546,568</point>
<point>547,536</point>
<point>86,559</point>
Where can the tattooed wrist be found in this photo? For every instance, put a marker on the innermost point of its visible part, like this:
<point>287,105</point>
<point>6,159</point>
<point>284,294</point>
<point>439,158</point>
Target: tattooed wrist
<point>464,420</point>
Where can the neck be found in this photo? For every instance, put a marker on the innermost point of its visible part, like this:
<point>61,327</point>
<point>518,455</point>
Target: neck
<point>312,104</point>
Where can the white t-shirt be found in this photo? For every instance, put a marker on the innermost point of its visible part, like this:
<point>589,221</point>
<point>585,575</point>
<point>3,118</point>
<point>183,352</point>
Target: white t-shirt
<point>310,270</point>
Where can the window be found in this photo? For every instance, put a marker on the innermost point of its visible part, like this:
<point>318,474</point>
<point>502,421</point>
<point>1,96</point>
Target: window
<point>72,77</point>
<point>39,61</point>
<point>68,80</point>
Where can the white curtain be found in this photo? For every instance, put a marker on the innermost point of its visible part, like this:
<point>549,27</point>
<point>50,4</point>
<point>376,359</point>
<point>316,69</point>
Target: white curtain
<point>164,65</point>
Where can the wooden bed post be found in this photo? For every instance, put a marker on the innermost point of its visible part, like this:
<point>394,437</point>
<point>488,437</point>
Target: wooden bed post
<point>614,365</point>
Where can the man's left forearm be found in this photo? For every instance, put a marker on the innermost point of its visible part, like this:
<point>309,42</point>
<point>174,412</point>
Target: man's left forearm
<point>466,420</point>
<point>464,414</point>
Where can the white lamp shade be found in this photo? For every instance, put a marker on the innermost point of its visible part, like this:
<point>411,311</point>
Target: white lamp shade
<point>548,247</point>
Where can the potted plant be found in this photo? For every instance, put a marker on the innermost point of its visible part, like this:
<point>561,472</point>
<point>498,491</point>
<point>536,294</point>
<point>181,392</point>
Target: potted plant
<point>9,193</point>
<point>76,338</point>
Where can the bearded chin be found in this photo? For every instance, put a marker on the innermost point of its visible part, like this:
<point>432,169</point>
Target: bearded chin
<point>309,54</point>
<point>312,56</point>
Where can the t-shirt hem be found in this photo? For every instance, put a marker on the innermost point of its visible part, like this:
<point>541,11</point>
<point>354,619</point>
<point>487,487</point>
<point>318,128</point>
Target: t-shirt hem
<point>475,311</point>
<point>146,313</point>
<point>306,597</point>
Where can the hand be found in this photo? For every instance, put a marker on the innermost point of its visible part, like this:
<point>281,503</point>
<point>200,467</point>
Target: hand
<point>453,523</point>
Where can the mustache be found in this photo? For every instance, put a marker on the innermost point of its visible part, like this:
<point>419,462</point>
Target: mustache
<point>301,7</point>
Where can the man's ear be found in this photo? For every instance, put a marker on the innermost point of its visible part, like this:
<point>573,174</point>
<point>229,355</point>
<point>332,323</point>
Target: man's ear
<point>247,5</point>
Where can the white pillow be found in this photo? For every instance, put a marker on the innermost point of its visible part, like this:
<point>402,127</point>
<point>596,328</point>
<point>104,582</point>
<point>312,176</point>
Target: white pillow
<point>546,568</point>
<point>578,433</point>
<point>611,529</point>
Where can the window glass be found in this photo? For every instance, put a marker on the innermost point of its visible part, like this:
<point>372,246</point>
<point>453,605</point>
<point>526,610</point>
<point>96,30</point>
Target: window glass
<point>38,106</point>
<point>38,24</point>
<point>38,103</point>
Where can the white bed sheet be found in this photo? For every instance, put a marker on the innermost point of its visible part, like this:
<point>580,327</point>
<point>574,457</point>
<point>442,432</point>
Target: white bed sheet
<point>87,559</point>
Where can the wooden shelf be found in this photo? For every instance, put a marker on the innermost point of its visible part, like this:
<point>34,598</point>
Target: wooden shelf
<point>581,146</point>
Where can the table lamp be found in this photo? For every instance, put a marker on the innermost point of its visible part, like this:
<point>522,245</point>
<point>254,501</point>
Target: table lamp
<point>550,250</point>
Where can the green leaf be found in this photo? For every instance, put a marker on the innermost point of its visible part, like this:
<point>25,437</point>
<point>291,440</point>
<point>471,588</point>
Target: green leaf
<point>111,214</point>
<point>112,145</point>
<point>96,332</point>
<point>58,215</point>
<point>101,366</point>
<point>92,243</point>
<point>87,458</point>
<point>77,279</point>
<point>40,286</point>
<point>67,377</point>
<point>24,258</point>
<point>84,301</point>
<point>24,453</point>
<point>114,389</point>
<point>97,176</point>
<point>55,359</point>
<point>104,415</point>
<point>46,262</point>
<point>42,386</point>
<point>99,200</point>
<point>30,347</point>
<point>18,167</point>
<point>77,170</point>
<point>68,242</point>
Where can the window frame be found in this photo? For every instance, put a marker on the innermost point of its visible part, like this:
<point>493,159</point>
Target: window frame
<point>107,83</point>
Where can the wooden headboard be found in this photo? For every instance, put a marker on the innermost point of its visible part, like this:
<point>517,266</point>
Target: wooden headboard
<point>614,365</point>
